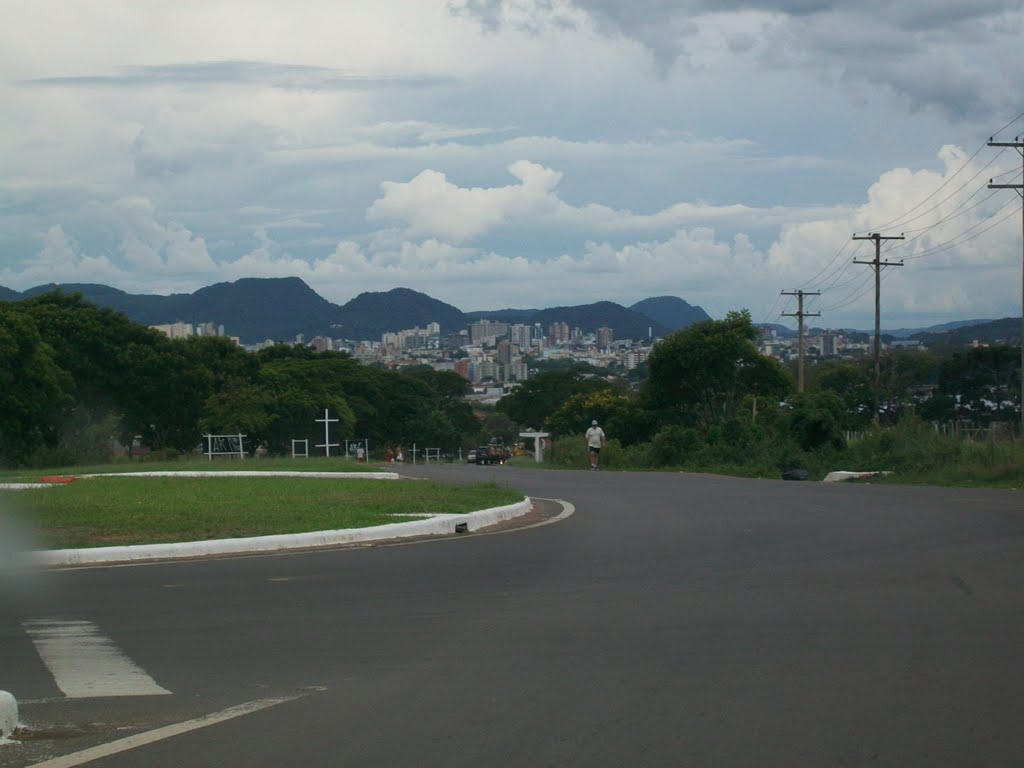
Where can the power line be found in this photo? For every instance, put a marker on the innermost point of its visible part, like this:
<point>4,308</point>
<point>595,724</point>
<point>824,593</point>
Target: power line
<point>1018,145</point>
<point>800,315</point>
<point>877,265</point>
<point>958,241</point>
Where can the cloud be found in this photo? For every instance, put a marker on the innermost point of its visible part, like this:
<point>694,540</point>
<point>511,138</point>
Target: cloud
<point>429,204</point>
<point>288,77</point>
<point>869,42</point>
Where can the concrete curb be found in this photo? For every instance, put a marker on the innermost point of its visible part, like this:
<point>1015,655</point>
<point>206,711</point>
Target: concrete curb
<point>255,473</point>
<point>8,715</point>
<point>202,473</point>
<point>439,525</point>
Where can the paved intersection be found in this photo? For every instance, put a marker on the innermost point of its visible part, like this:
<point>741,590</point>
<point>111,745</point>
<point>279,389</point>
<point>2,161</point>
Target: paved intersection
<point>673,620</point>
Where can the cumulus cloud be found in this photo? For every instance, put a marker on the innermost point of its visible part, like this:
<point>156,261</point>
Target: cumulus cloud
<point>429,204</point>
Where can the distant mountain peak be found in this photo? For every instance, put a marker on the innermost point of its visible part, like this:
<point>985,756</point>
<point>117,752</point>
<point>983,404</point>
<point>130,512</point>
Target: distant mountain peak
<point>670,311</point>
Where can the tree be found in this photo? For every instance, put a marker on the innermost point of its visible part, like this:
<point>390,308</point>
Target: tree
<point>816,420</point>
<point>984,381</point>
<point>699,375</point>
<point>449,390</point>
<point>853,383</point>
<point>620,416</point>
<point>34,391</point>
<point>537,398</point>
<point>296,392</point>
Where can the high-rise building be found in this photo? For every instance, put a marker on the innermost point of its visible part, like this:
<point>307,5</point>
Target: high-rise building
<point>828,343</point>
<point>604,338</point>
<point>174,330</point>
<point>322,343</point>
<point>507,352</point>
<point>516,372</point>
<point>485,329</point>
<point>520,335</point>
<point>558,332</point>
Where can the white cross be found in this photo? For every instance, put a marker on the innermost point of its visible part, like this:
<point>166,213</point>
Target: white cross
<point>327,421</point>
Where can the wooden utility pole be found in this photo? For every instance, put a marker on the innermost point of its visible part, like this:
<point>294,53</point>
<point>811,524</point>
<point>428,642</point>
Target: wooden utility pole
<point>800,315</point>
<point>1017,144</point>
<point>877,263</point>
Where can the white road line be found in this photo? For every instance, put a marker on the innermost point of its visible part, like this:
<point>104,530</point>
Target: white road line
<point>141,739</point>
<point>85,664</point>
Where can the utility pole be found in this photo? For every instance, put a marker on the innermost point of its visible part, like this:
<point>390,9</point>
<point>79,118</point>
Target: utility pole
<point>877,263</point>
<point>800,315</point>
<point>1017,144</point>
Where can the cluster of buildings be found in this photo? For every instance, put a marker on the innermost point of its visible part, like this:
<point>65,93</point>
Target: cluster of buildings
<point>488,353</point>
<point>493,354</point>
<point>184,330</point>
<point>825,344</point>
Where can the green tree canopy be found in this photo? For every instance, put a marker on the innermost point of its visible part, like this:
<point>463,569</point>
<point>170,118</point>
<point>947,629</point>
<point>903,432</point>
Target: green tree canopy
<point>536,399</point>
<point>34,390</point>
<point>700,375</point>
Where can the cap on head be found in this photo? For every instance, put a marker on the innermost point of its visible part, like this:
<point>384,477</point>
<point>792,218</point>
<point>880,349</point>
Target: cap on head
<point>593,423</point>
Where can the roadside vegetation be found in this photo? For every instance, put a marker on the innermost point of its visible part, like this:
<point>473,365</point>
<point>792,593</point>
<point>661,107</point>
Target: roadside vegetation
<point>77,381</point>
<point>110,511</point>
<point>711,403</point>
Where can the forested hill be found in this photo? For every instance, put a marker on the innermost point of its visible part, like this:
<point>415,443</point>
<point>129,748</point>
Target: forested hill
<point>671,312</point>
<point>625,323</point>
<point>369,315</point>
<point>254,309</point>
<point>1004,331</point>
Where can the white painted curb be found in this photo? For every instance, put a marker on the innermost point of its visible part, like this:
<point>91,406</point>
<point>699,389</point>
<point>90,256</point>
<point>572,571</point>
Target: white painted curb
<point>254,473</point>
<point>439,525</point>
<point>8,715</point>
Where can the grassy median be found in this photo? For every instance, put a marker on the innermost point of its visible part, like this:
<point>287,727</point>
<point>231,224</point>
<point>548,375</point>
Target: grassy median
<point>107,511</point>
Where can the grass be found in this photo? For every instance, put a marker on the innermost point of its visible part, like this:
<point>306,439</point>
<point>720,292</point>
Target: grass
<point>114,511</point>
<point>319,464</point>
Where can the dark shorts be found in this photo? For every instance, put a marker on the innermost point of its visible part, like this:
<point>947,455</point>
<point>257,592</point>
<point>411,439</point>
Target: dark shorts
<point>593,449</point>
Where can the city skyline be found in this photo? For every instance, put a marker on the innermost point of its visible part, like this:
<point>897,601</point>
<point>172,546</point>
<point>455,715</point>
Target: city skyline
<point>521,154</point>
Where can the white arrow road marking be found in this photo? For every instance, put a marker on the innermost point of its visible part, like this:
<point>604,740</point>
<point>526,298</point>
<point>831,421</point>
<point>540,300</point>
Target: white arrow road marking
<point>141,739</point>
<point>86,664</point>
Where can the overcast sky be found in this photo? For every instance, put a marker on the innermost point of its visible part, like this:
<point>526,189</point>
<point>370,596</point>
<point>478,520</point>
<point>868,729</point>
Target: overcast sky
<point>521,153</point>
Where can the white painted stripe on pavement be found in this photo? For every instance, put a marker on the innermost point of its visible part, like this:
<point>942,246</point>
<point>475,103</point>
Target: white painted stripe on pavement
<point>86,664</point>
<point>141,739</point>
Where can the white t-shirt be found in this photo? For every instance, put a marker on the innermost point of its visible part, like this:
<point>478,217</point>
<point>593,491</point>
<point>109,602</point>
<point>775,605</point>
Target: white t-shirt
<point>595,437</point>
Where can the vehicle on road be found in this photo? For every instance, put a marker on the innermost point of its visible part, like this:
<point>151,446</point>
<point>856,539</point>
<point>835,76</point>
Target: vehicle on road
<point>494,452</point>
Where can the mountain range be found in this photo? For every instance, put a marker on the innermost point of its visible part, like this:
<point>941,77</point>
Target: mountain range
<point>256,309</point>
<point>279,309</point>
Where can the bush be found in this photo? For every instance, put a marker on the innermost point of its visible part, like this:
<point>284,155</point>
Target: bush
<point>910,446</point>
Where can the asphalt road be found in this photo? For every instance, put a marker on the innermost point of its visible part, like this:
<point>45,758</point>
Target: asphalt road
<point>673,620</point>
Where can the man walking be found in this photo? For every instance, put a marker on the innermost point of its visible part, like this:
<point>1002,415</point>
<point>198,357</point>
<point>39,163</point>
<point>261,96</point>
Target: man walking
<point>595,442</point>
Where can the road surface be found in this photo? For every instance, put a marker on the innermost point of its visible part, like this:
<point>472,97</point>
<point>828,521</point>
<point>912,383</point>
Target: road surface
<point>672,620</point>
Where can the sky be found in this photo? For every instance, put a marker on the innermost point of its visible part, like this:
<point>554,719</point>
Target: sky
<point>522,153</point>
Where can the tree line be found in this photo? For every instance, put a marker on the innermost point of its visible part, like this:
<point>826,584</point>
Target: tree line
<point>710,399</point>
<point>74,377</point>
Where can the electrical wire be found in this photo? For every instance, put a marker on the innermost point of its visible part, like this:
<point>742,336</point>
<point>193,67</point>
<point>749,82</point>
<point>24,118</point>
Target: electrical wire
<point>955,192</point>
<point>1018,117</point>
<point>958,241</point>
